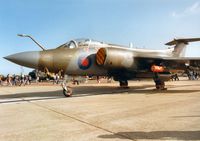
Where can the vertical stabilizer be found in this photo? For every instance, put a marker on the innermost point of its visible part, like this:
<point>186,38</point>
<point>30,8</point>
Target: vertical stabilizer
<point>180,45</point>
<point>179,50</point>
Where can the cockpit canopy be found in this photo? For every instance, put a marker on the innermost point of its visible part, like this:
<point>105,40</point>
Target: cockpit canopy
<point>82,43</point>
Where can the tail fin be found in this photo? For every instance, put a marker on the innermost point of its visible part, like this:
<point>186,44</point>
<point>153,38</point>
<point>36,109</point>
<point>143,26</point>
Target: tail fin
<point>180,45</point>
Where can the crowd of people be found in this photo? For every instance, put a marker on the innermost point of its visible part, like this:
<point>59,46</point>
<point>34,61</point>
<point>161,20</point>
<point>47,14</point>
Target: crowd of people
<point>22,80</point>
<point>15,80</point>
<point>192,75</point>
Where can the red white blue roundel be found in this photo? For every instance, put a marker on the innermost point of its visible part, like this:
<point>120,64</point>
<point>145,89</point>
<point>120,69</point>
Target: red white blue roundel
<point>84,62</point>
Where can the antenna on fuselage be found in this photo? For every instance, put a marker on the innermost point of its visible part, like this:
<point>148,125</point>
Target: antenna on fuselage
<point>131,45</point>
<point>24,35</point>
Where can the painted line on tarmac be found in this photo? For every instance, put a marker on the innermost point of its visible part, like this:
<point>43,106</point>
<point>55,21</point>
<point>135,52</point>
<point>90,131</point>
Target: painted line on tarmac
<point>21,100</point>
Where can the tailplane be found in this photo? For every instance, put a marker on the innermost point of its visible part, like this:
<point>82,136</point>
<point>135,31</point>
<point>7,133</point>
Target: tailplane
<point>180,45</point>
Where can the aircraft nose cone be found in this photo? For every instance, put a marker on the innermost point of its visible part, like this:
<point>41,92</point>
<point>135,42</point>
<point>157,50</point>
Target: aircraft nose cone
<point>28,59</point>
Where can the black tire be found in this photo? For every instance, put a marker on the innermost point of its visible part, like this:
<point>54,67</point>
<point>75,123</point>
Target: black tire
<point>123,84</point>
<point>67,93</point>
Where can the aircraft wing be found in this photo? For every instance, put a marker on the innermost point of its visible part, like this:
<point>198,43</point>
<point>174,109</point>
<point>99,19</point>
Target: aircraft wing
<point>192,61</point>
<point>178,63</point>
<point>171,58</point>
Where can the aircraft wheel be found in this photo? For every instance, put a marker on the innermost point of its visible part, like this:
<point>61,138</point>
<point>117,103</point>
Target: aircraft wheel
<point>123,83</point>
<point>67,92</point>
<point>160,85</point>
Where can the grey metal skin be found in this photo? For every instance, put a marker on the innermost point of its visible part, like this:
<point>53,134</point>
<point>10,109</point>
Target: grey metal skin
<point>121,62</point>
<point>58,59</point>
<point>28,59</point>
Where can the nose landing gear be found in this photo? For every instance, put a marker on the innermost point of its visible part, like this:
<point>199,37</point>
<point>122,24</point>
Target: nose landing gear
<point>67,90</point>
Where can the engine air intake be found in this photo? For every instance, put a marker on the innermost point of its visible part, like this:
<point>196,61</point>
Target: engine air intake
<point>101,56</point>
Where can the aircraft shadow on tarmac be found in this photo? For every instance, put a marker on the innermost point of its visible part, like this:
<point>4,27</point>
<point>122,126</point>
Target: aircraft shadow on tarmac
<point>82,91</point>
<point>155,135</point>
<point>146,89</point>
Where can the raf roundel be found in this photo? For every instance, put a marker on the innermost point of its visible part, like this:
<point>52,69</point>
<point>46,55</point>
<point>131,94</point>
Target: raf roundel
<point>84,62</point>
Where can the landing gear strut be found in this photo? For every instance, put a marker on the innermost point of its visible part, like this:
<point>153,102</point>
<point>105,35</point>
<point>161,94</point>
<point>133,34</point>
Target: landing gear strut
<point>159,83</point>
<point>123,83</point>
<point>67,90</point>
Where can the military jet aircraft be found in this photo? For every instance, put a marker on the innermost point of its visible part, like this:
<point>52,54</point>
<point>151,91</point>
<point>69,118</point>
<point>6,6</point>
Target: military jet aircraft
<point>90,57</point>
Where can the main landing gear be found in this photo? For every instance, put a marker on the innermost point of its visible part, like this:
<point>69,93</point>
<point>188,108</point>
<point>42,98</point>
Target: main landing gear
<point>159,83</point>
<point>123,83</point>
<point>67,90</point>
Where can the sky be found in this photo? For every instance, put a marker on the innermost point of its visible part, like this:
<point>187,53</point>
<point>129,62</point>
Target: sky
<point>146,23</point>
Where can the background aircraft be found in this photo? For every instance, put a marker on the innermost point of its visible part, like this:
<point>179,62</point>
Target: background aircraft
<point>90,57</point>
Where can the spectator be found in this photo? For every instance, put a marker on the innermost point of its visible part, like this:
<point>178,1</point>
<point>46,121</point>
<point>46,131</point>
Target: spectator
<point>9,80</point>
<point>98,79</point>
<point>14,80</point>
<point>1,80</point>
<point>21,80</point>
<point>54,79</point>
<point>57,78</point>
<point>37,79</point>
<point>26,80</point>
<point>29,79</point>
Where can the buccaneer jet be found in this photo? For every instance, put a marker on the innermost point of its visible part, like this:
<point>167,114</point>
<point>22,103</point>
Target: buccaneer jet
<point>89,57</point>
